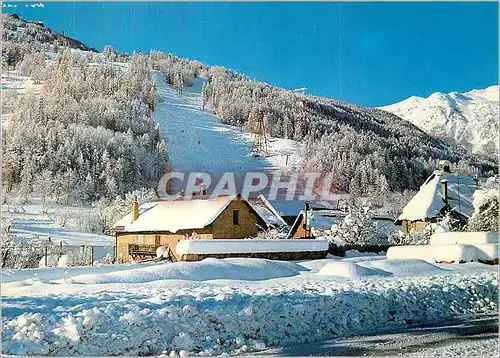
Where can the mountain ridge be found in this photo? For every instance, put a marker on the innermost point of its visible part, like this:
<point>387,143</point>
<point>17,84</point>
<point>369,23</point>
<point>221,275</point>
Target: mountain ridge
<point>368,150</point>
<point>467,118</point>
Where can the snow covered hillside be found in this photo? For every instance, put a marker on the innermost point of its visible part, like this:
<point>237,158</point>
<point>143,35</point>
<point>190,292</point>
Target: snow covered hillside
<point>199,142</point>
<point>33,223</point>
<point>12,85</point>
<point>12,81</point>
<point>469,118</point>
<point>233,306</point>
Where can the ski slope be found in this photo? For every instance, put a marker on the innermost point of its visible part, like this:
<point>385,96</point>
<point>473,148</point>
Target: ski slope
<point>199,142</point>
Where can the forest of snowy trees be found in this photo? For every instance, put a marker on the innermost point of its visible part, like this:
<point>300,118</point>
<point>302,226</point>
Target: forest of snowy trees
<point>179,72</point>
<point>20,37</point>
<point>368,150</point>
<point>87,133</point>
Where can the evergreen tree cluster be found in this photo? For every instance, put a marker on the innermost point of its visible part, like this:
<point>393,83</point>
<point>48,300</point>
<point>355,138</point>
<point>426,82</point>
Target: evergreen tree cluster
<point>88,133</point>
<point>20,37</point>
<point>370,151</point>
<point>179,72</point>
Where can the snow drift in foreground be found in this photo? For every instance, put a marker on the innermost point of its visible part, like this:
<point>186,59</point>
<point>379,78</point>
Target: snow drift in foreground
<point>348,269</point>
<point>236,317</point>
<point>208,269</point>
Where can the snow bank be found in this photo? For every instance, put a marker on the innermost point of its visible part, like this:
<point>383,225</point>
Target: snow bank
<point>454,253</point>
<point>213,246</point>
<point>346,269</point>
<point>211,320</point>
<point>486,252</point>
<point>448,238</point>
<point>433,253</point>
<point>410,267</point>
<point>208,269</point>
<point>316,265</point>
<point>56,273</point>
<point>49,261</point>
<point>445,253</point>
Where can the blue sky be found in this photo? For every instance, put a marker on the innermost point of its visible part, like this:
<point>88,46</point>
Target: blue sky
<point>365,53</point>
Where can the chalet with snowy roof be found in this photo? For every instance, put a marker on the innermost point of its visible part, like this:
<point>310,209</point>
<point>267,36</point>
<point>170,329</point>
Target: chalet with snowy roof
<point>301,228</point>
<point>166,223</point>
<point>442,193</point>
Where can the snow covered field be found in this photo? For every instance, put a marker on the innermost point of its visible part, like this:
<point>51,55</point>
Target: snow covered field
<point>20,84</point>
<point>56,224</point>
<point>30,222</point>
<point>233,306</point>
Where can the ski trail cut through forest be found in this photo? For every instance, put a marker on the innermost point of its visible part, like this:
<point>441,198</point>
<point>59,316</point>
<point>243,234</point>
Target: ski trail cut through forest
<point>197,140</point>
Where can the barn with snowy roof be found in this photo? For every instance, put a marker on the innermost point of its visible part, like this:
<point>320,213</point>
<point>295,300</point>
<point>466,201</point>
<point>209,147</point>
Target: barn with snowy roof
<point>166,223</point>
<point>441,194</point>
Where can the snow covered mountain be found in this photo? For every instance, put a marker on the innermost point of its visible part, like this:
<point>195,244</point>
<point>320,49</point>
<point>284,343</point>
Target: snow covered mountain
<point>470,118</point>
<point>205,116</point>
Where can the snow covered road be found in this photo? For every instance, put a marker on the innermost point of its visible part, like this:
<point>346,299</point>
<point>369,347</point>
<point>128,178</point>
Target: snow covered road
<point>470,336</point>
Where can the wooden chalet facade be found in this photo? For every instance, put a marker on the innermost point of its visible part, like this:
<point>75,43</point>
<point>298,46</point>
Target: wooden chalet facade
<point>301,228</point>
<point>166,223</point>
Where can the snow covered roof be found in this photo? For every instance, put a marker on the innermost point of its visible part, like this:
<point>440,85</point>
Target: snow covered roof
<point>287,207</point>
<point>174,215</point>
<point>428,202</point>
<point>267,212</point>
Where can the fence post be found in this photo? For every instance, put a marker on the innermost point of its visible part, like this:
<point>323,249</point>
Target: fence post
<point>92,255</point>
<point>46,253</point>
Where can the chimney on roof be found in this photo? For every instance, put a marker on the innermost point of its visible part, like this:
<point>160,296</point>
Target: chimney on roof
<point>305,225</point>
<point>444,190</point>
<point>135,209</point>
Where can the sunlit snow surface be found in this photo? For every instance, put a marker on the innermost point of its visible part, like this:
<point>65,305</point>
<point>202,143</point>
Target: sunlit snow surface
<point>230,306</point>
<point>199,142</point>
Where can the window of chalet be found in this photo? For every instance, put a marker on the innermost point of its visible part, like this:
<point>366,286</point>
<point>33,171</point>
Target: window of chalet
<point>236,217</point>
